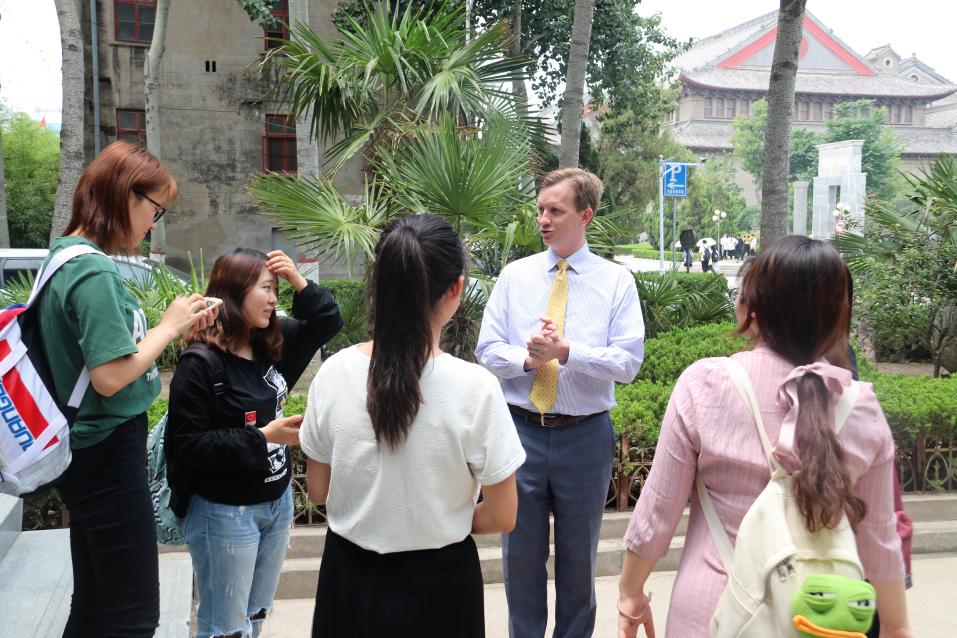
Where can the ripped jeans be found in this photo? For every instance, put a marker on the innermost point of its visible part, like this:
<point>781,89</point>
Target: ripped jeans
<point>237,553</point>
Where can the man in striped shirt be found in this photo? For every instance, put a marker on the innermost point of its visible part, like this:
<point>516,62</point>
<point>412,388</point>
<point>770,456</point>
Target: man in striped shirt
<point>558,375</point>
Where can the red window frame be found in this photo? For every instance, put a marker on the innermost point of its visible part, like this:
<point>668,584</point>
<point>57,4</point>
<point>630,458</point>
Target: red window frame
<point>137,5</point>
<point>271,35</point>
<point>126,133</point>
<point>285,163</point>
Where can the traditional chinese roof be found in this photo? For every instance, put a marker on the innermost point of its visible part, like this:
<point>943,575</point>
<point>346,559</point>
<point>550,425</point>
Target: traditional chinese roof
<point>739,59</point>
<point>818,83</point>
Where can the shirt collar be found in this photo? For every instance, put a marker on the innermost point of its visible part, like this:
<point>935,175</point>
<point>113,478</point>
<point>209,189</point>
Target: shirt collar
<point>576,261</point>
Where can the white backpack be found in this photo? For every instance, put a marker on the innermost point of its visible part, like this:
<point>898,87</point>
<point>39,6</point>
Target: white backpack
<point>34,426</point>
<point>774,552</point>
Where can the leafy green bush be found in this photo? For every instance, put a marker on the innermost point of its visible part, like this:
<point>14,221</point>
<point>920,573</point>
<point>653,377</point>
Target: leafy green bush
<point>916,405</point>
<point>683,300</point>
<point>641,408</point>
<point>651,253</point>
<point>670,353</point>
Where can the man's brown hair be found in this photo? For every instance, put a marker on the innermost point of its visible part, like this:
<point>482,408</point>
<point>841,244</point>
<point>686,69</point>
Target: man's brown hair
<point>101,201</point>
<point>587,186</point>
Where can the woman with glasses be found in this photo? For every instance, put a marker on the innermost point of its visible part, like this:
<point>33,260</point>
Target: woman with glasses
<point>90,322</point>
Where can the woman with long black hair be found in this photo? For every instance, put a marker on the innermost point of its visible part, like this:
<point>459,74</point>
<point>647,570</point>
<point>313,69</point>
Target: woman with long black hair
<point>400,436</point>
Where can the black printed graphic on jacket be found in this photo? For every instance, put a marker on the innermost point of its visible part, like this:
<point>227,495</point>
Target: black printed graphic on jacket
<point>214,447</point>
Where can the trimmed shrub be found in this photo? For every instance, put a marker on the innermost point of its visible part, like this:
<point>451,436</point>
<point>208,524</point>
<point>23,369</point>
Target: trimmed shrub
<point>916,405</point>
<point>641,408</point>
<point>667,356</point>
<point>350,295</point>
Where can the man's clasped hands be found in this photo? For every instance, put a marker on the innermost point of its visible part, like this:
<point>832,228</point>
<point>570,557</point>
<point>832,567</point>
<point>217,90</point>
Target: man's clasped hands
<point>545,345</point>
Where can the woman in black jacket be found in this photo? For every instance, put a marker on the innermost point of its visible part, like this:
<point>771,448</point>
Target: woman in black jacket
<point>228,464</point>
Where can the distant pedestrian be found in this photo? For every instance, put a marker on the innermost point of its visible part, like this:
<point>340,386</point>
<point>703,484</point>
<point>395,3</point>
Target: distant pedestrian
<point>753,245</point>
<point>705,259</point>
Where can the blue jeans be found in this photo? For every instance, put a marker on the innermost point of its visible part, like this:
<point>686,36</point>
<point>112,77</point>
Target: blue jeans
<point>237,553</point>
<point>567,472</point>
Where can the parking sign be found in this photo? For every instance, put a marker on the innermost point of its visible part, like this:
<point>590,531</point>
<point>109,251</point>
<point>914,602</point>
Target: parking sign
<point>676,179</point>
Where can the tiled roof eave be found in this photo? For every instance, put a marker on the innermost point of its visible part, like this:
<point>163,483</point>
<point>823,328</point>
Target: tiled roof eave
<point>686,80</point>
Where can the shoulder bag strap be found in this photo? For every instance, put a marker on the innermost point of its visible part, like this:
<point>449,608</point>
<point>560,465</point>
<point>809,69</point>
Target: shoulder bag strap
<point>215,364</point>
<point>719,536</point>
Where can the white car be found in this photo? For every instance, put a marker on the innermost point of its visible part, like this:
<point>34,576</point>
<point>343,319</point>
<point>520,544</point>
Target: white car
<point>17,261</point>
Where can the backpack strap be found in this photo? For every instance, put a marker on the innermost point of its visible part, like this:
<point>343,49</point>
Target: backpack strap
<point>43,277</point>
<point>60,258</point>
<point>214,362</point>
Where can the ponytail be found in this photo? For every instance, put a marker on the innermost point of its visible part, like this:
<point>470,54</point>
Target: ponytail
<point>418,258</point>
<point>798,290</point>
<point>822,488</point>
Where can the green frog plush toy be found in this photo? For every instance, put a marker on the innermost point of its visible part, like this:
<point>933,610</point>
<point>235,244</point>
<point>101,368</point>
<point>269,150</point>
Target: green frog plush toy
<point>831,606</point>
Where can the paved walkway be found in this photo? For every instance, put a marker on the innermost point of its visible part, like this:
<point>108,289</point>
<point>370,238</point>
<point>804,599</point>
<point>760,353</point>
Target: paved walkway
<point>931,602</point>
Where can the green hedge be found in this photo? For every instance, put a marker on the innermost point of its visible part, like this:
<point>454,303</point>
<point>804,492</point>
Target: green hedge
<point>645,253</point>
<point>350,295</point>
<point>916,405</point>
<point>913,406</point>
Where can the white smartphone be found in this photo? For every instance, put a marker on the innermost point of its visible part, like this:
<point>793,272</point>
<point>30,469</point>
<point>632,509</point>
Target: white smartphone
<point>212,302</point>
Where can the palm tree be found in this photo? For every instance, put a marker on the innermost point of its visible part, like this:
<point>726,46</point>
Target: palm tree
<point>426,110</point>
<point>774,173</point>
<point>71,134</point>
<point>923,234</point>
<point>575,83</point>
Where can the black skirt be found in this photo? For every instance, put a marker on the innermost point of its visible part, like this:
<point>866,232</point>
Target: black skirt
<point>420,594</point>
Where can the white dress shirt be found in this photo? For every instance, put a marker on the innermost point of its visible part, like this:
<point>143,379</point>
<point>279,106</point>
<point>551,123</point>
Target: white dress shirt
<point>603,326</point>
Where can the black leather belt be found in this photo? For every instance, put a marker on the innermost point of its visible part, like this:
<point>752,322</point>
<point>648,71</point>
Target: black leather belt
<point>549,420</point>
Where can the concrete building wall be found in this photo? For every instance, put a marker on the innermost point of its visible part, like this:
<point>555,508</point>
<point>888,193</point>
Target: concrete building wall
<point>212,123</point>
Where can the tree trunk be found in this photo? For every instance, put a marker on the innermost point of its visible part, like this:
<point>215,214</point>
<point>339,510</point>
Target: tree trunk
<point>515,50</point>
<point>774,171</point>
<point>151,90</point>
<point>575,83</point>
<point>71,133</point>
<point>4,229</point>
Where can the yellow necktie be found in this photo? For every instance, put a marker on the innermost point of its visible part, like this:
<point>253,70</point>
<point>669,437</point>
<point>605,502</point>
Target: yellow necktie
<point>545,387</point>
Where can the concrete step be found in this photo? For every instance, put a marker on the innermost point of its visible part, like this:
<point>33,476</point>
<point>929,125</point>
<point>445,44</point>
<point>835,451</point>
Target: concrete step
<point>308,542</point>
<point>11,521</point>
<point>38,581</point>
<point>300,575</point>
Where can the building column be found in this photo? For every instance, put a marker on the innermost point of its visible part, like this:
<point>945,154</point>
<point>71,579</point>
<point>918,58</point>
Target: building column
<point>800,208</point>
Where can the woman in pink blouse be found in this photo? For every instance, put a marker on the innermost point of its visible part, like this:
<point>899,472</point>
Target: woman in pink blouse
<point>794,304</point>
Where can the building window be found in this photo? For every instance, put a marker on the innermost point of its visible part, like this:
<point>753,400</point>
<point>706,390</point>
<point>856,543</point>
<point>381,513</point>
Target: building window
<point>279,145</point>
<point>896,114</point>
<point>817,114</point>
<point>719,107</point>
<point>278,31</point>
<point>709,107</point>
<point>828,111</point>
<point>804,111</point>
<point>133,20</point>
<point>732,103</point>
<point>744,107</point>
<point>908,114</point>
<point>131,126</point>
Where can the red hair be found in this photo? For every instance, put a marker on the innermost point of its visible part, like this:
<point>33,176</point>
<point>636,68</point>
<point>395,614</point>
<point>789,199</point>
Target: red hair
<point>101,201</point>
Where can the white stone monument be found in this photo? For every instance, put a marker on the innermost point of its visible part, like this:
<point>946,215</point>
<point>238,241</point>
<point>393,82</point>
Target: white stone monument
<point>800,208</point>
<point>839,179</point>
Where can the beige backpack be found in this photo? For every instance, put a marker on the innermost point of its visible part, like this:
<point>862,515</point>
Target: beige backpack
<point>774,552</point>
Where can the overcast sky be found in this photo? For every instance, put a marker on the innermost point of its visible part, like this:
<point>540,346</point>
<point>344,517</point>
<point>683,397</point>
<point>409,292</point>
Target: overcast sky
<point>30,38</point>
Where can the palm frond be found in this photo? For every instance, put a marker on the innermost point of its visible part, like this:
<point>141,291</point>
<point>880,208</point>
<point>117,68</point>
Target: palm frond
<point>316,216</point>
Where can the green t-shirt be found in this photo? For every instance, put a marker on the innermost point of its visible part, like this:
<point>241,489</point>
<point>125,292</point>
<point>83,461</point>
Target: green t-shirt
<point>87,318</point>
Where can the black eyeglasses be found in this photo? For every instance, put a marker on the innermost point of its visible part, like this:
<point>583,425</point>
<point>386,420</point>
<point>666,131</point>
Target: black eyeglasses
<point>161,210</point>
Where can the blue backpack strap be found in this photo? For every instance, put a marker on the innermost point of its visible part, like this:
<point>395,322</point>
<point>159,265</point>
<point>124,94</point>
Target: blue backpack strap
<point>215,363</point>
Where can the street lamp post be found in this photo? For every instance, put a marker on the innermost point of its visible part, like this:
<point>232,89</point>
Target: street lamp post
<point>716,218</point>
